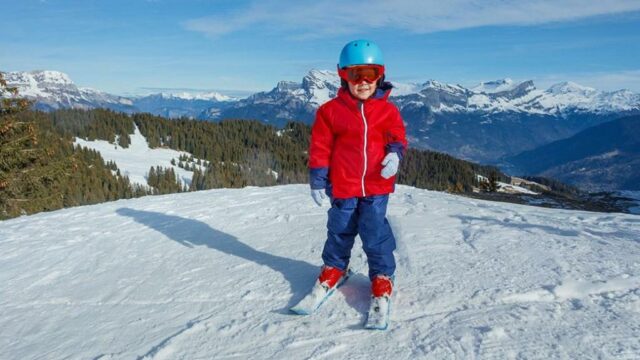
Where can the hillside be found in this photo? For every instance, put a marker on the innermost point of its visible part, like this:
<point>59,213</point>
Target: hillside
<point>603,157</point>
<point>211,274</point>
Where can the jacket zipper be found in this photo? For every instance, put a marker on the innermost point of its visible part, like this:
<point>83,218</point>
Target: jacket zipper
<point>364,120</point>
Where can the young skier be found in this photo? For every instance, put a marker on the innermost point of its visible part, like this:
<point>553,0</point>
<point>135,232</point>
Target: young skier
<point>357,142</point>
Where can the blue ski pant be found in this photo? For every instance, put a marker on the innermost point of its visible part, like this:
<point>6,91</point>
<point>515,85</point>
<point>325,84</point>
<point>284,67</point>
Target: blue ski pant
<point>365,216</point>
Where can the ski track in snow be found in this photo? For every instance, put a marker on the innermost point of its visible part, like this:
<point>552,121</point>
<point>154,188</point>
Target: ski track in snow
<point>212,274</point>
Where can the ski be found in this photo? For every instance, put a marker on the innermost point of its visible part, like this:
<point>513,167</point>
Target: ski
<point>318,295</point>
<point>378,317</point>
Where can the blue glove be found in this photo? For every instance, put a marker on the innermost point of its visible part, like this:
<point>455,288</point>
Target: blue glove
<point>318,196</point>
<point>390,163</point>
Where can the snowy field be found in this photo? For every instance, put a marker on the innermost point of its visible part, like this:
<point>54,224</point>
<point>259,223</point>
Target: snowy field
<point>136,160</point>
<point>212,274</point>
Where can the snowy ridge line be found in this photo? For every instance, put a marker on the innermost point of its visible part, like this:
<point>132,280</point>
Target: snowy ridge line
<point>257,251</point>
<point>504,95</point>
<point>57,90</point>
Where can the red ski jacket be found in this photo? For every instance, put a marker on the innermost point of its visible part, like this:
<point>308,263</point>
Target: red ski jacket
<point>349,140</point>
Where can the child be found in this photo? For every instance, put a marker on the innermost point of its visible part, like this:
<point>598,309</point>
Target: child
<point>357,142</point>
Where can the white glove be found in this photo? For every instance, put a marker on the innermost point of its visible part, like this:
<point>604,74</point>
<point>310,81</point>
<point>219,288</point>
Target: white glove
<point>390,163</point>
<point>318,196</point>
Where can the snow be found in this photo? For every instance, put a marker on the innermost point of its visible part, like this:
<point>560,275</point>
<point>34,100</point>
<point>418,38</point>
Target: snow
<point>209,96</point>
<point>39,83</point>
<point>401,89</point>
<point>492,87</point>
<point>26,83</point>
<point>635,195</point>
<point>212,274</point>
<point>453,89</point>
<point>321,86</point>
<point>509,188</point>
<point>56,90</point>
<point>514,189</point>
<point>568,87</point>
<point>136,160</point>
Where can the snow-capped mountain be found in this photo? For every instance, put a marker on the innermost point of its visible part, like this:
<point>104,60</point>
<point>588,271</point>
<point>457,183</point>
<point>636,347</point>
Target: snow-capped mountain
<point>559,99</point>
<point>288,100</point>
<point>211,274</point>
<point>182,104</point>
<point>503,118</point>
<point>523,97</point>
<point>53,90</point>
<point>300,100</point>
<point>495,86</point>
<point>209,96</point>
<point>484,123</point>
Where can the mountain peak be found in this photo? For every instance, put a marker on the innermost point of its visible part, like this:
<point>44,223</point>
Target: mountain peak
<point>497,86</point>
<point>285,86</point>
<point>566,87</point>
<point>51,77</point>
<point>323,75</point>
<point>433,84</point>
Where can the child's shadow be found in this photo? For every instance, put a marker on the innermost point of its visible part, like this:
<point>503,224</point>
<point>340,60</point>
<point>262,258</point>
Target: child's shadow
<point>190,233</point>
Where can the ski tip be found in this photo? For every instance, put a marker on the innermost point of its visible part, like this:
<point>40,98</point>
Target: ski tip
<point>298,311</point>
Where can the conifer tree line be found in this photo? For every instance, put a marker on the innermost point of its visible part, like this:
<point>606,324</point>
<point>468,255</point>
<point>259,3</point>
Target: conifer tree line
<point>102,124</point>
<point>238,153</point>
<point>432,170</point>
<point>163,181</point>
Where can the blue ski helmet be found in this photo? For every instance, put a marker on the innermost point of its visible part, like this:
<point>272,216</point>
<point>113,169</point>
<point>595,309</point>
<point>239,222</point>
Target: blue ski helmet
<point>360,52</point>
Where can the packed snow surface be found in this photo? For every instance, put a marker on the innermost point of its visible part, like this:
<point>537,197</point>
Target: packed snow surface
<point>212,274</point>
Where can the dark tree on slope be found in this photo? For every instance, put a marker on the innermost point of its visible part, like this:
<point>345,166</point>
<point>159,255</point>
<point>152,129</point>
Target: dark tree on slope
<point>29,178</point>
<point>99,124</point>
<point>163,180</point>
<point>40,169</point>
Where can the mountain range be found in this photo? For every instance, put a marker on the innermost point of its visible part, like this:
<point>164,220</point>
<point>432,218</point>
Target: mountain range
<point>489,123</point>
<point>53,90</point>
<point>605,156</point>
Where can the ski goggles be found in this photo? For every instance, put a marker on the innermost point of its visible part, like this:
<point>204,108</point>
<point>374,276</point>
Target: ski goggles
<point>359,73</point>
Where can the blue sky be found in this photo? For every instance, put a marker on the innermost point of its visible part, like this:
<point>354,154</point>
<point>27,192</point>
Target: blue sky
<point>140,46</point>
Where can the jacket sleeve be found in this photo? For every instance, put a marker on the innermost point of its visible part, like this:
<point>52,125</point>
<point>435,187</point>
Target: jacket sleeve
<point>320,148</point>
<point>396,135</point>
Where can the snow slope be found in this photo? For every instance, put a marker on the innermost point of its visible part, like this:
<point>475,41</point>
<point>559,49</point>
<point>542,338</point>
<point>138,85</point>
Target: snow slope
<point>211,275</point>
<point>136,160</point>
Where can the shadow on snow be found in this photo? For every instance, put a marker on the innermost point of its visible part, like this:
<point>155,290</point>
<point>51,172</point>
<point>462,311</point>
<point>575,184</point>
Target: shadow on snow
<point>192,233</point>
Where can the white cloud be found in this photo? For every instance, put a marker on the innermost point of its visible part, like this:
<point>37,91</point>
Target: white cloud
<point>309,19</point>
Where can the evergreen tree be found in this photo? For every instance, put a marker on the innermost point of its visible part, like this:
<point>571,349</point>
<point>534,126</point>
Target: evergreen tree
<point>29,179</point>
